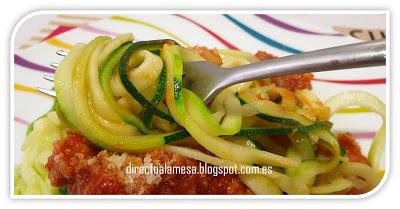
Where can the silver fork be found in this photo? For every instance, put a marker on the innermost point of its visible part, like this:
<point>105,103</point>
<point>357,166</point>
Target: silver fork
<point>207,80</point>
<point>50,78</point>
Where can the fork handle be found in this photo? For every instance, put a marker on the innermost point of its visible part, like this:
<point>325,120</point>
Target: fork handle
<point>365,54</point>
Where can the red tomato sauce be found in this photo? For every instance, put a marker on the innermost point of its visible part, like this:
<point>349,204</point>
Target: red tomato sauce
<point>85,169</point>
<point>291,82</point>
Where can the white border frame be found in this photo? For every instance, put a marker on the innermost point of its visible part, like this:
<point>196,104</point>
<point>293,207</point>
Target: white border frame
<point>201,197</point>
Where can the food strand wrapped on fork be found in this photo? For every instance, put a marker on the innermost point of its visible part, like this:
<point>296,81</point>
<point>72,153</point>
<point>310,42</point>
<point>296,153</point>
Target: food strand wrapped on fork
<point>119,102</point>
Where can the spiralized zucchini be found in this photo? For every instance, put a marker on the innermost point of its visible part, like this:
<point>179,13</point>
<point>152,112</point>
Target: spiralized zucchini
<point>369,101</point>
<point>127,96</point>
<point>30,176</point>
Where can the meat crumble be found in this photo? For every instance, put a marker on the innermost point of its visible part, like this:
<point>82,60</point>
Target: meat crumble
<point>291,82</point>
<point>85,169</point>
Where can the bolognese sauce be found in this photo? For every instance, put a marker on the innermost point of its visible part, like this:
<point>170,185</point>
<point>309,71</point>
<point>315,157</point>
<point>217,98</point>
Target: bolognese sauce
<point>85,169</point>
<point>291,82</point>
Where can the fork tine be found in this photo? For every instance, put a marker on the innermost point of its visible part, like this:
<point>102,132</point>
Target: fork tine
<point>46,91</point>
<point>62,53</point>
<point>49,77</point>
<point>54,65</point>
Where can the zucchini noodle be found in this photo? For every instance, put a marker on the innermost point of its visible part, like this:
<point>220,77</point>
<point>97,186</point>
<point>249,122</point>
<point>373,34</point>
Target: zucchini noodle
<point>30,177</point>
<point>282,181</point>
<point>337,185</point>
<point>369,101</point>
<point>126,96</point>
<point>361,170</point>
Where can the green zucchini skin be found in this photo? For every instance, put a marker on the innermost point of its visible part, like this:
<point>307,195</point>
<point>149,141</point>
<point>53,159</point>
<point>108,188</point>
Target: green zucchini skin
<point>162,82</point>
<point>147,119</point>
<point>215,144</point>
<point>276,131</point>
<point>143,45</point>
<point>343,152</point>
<point>269,118</point>
<point>247,132</point>
<point>171,72</point>
<point>106,70</point>
<point>279,120</point>
<point>176,136</point>
<point>63,190</point>
<point>75,107</point>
